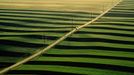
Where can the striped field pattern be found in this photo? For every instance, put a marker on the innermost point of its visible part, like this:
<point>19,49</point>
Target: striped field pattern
<point>104,48</point>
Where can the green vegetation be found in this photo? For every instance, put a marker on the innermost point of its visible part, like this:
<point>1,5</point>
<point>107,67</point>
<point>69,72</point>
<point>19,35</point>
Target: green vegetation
<point>104,48</point>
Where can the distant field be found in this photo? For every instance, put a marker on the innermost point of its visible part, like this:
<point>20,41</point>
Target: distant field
<point>60,5</point>
<point>104,48</point>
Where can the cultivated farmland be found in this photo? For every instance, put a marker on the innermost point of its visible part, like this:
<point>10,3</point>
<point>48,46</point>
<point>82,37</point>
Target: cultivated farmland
<point>105,47</point>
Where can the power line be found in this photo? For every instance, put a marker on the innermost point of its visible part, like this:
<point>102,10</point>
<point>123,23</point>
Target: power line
<point>55,42</point>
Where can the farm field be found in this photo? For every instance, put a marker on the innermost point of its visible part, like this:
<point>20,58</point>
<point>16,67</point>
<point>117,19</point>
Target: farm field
<point>106,47</point>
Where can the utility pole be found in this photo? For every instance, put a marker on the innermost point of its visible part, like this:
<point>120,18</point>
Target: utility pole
<point>90,14</point>
<point>73,22</point>
<point>44,38</point>
<point>103,7</point>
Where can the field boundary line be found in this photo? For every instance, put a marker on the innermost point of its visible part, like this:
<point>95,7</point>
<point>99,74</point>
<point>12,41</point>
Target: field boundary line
<point>56,42</point>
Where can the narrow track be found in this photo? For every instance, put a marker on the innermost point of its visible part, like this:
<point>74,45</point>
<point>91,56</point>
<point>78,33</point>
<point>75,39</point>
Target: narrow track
<point>56,42</point>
